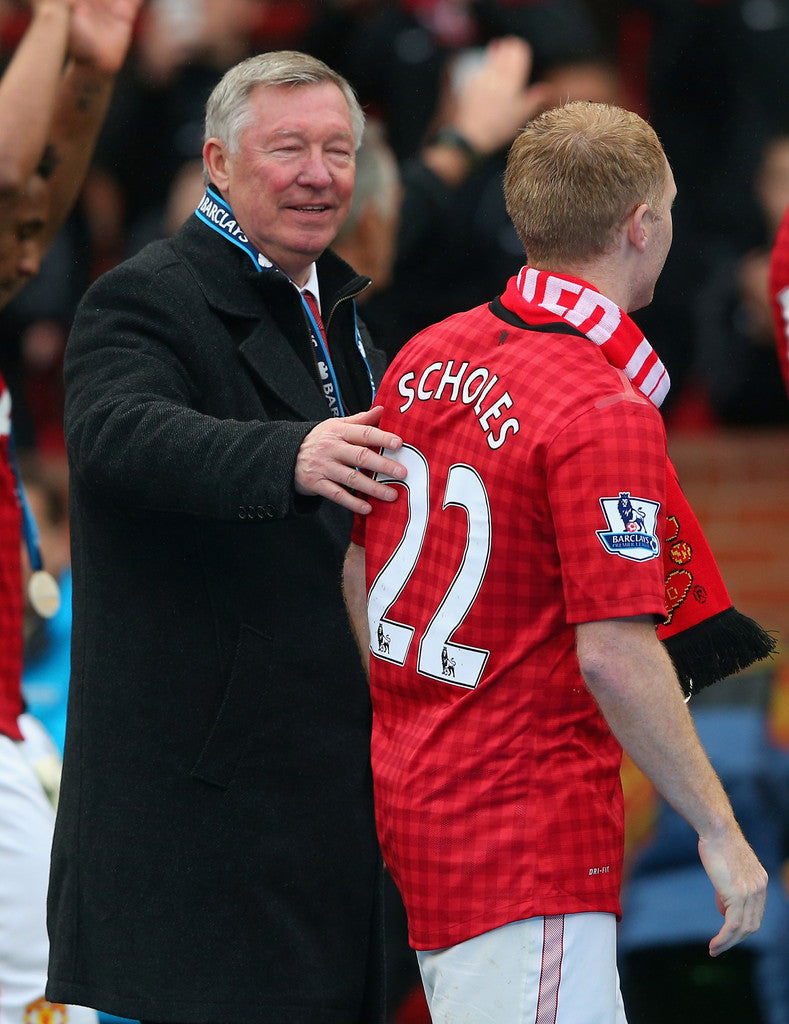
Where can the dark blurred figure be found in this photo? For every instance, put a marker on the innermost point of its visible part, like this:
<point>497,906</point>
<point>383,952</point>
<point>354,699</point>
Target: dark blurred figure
<point>715,79</point>
<point>156,121</point>
<point>396,51</point>
<point>737,361</point>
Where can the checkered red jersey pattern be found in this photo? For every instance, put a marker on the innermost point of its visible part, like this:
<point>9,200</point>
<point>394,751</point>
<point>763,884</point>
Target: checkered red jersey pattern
<point>496,777</point>
<point>11,604</point>
<point>779,294</point>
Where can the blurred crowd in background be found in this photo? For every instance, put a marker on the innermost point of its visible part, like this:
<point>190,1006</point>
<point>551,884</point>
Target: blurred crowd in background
<point>711,76</point>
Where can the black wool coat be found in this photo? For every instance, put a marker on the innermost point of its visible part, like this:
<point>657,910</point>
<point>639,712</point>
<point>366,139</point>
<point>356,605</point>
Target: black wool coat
<point>215,855</point>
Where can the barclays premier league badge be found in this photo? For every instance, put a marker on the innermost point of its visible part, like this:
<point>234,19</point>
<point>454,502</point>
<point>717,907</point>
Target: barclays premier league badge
<point>632,527</point>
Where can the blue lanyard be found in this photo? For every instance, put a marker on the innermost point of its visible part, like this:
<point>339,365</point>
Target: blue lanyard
<point>331,388</point>
<point>217,214</point>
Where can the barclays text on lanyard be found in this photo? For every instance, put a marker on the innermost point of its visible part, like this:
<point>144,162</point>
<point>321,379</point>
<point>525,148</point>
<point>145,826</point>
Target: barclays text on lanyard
<point>215,212</point>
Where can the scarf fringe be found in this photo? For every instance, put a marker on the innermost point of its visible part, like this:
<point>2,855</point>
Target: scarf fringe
<point>716,648</point>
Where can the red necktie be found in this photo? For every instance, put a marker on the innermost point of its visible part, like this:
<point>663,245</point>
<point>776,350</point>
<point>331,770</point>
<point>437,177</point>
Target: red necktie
<point>312,302</point>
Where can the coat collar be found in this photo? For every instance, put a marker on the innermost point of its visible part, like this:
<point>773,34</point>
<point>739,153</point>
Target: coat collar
<point>232,284</point>
<point>233,287</point>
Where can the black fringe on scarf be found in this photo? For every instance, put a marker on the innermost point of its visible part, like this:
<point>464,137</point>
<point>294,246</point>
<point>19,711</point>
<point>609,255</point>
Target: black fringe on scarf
<point>716,648</point>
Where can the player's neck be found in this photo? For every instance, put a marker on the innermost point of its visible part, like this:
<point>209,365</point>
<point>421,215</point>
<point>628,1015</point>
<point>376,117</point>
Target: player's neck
<point>605,274</point>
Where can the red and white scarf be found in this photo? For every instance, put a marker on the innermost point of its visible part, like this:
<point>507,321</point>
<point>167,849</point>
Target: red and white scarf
<point>707,638</point>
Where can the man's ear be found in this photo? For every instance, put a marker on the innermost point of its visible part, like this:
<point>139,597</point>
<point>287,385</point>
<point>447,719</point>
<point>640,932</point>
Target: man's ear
<point>637,227</point>
<point>215,158</point>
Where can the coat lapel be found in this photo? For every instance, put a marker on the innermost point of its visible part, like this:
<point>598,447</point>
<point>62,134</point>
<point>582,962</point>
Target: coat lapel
<point>232,288</point>
<point>271,359</point>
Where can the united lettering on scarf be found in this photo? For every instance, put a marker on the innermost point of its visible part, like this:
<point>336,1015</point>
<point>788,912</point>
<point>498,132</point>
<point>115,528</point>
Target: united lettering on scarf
<point>706,637</point>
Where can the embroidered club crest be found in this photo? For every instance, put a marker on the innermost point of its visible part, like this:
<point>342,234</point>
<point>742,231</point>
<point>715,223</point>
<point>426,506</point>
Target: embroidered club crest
<point>632,526</point>
<point>43,1012</point>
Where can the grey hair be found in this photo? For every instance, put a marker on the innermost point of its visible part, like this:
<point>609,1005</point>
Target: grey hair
<point>227,112</point>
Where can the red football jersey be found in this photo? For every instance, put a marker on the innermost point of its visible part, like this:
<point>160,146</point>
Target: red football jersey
<point>779,294</point>
<point>534,498</point>
<point>11,603</point>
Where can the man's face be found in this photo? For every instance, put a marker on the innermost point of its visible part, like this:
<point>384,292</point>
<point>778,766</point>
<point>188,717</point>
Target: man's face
<point>291,182</point>
<point>20,240</point>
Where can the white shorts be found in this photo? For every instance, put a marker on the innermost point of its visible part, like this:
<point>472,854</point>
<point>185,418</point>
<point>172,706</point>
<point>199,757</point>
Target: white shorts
<point>544,970</point>
<point>26,822</point>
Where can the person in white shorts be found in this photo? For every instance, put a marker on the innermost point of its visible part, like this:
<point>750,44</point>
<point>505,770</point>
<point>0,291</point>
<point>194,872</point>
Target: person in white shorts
<point>53,101</point>
<point>507,607</point>
<point>551,970</point>
<point>28,780</point>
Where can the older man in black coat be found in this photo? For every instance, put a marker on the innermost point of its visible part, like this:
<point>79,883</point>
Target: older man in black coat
<point>215,856</point>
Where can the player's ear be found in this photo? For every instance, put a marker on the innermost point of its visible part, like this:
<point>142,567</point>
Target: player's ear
<point>637,224</point>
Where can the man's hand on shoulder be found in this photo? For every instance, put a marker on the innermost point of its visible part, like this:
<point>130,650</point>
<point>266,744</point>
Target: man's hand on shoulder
<point>340,457</point>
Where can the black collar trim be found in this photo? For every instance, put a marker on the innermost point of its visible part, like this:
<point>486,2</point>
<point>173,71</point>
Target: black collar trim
<point>498,309</point>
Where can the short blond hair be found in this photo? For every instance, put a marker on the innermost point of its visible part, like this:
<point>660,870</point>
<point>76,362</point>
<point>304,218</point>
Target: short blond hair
<point>575,173</point>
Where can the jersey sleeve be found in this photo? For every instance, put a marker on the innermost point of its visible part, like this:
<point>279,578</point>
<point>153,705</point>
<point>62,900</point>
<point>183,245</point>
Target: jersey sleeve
<point>606,475</point>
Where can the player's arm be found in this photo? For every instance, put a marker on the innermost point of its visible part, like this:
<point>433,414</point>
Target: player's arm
<point>631,677</point>
<point>28,95</point>
<point>99,39</point>
<point>355,591</point>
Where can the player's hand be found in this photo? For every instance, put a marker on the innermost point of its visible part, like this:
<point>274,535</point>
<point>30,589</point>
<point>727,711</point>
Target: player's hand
<point>339,456</point>
<point>101,32</point>
<point>740,884</point>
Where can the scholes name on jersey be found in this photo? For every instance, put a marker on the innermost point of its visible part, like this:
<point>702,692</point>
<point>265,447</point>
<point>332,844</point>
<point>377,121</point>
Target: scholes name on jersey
<point>475,388</point>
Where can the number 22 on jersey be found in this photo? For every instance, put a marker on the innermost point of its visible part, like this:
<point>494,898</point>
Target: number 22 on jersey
<point>438,656</point>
